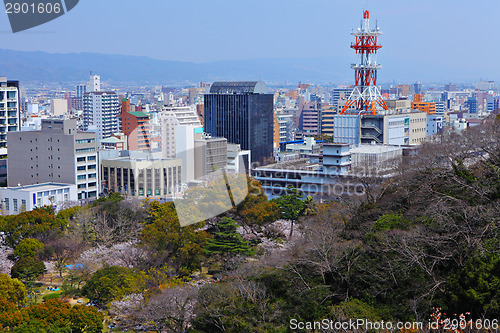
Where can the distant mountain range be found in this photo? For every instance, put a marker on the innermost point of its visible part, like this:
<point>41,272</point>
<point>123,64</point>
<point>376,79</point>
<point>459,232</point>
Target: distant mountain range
<point>34,67</point>
<point>73,67</point>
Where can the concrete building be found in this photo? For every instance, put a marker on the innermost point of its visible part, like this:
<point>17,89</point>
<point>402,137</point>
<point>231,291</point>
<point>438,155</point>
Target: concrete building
<point>81,89</point>
<point>100,109</point>
<point>392,129</point>
<point>142,177</point>
<point>339,172</point>
<point>327,120</point>
<point>398,105</point>
<point>310,119</point>
<point>116,141</point>
<point>15,200</point>
<point>10,118</point>
<point>58,107</point>
<point>185,136</point>
<point>286,129</point>
<point>171,117</point>
<point>238,161</point>
<point>136,126</point>
<point>418,128</point>
<point>307,147</point>
<point>94,83</point>
<point>58,153</point>
<point>340,94</point>
<point>211,155</point>
<point>492,103</point>
<point>419,104</point>
<point>434,124</point>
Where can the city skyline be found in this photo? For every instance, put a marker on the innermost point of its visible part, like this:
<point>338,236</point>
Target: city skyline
<point>445,39</point>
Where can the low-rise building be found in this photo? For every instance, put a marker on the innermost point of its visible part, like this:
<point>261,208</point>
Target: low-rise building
<point>15,200</point>
<point>142,177</point>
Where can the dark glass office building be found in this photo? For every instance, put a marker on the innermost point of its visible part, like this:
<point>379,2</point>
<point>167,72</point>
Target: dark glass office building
<point>242,112</point>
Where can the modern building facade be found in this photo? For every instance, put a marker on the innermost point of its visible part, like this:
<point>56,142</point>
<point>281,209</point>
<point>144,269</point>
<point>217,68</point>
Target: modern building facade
<point>170,118</point>
<point>101,110</point>
<point>15,200</point>
<point>242,112</point>
<point>10,115</point>
<point>392,129</point>
<point>136,126</point>
<point>57,154</point>
<point>142,177</point>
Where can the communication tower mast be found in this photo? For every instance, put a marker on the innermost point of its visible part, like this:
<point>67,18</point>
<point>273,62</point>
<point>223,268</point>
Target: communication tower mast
<point>366,95</point>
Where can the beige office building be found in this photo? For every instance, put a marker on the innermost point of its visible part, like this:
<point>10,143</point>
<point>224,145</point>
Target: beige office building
<point>142,177</point>
<point>418,127</point>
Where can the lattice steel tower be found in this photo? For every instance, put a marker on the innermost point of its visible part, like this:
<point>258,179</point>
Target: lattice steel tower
<point>366,95</point>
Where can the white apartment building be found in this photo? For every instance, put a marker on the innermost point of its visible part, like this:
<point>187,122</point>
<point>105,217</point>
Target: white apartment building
<point>100,109</point>
<point>171,117</point>
<point>9,117</point>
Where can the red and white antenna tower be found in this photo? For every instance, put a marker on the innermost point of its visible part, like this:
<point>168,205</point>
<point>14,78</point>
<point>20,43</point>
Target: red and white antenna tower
<point>366,95</point>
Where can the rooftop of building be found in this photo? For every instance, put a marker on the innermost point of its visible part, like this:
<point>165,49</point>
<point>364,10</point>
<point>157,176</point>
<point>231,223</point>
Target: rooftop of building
<point>111,139</point>
<point>139,114</point>
<point>100,93</point>
<point>300,164</point>
<point>238,87</point>
<point>373,149</point>
<point>39,187</point>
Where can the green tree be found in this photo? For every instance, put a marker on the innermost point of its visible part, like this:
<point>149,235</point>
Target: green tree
<point>28,224</point>
<point>292,206</point>
<point>227,239</point>
<point>27,268</point>
<point>12,290</point>
<point>28,247</point>
<point>106,284</point>
<point>169,242</point>
<point>476,287</point>
<point>86,319</point>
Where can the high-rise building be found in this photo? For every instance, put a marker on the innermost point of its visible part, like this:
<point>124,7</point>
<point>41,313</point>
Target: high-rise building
<point>58,153</point>
<point>94,83</point>
<point>310,118</point>
<point>170,118</point>
<point>242,112</point>
<point>10,115</point>
<point>471,103</point>
<point>492,103</point>
<point>100,111</point>
<point>135,125</point>
<point>81,89</point>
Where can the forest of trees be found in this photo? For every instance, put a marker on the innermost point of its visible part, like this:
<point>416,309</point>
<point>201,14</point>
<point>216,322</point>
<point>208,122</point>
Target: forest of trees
<point>426,240</point>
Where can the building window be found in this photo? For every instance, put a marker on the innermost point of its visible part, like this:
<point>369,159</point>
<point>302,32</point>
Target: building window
<point>15,204</point>
<point>7,204</point>
<point>23,204</point>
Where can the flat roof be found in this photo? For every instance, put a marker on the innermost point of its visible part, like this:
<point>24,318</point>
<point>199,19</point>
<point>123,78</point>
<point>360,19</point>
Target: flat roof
<point>39,187</point>
<point>374,149</point>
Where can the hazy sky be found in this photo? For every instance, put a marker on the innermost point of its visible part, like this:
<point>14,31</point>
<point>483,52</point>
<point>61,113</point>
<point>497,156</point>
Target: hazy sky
<point>452,34</point>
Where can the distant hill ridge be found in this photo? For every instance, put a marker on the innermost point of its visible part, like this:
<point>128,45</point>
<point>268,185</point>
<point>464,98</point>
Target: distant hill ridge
<point>48,67</point>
